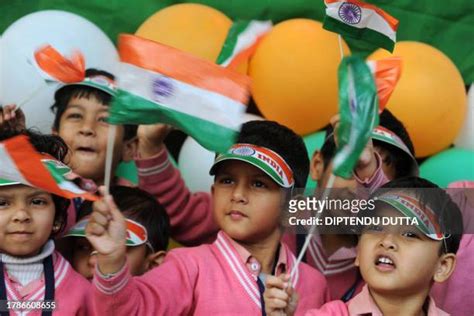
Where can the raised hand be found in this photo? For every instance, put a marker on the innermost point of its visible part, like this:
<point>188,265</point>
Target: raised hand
<point>107,232</point>
<point>11,119</point>
<point>279,296</point>
<point>151,138</point>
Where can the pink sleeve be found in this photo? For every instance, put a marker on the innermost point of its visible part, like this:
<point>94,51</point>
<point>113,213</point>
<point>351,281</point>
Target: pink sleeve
<point>190,214</point>
<point>165,290</point>
<point>334,308</point>
<point>376,180</point>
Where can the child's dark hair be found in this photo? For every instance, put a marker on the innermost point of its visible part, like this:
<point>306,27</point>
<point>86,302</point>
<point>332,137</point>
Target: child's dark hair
<point>57,148</point>
<point>281,140</point>
<point>401,161</point>
<point>141,207</point>
<point>65,94</point>
<point>429,194</point>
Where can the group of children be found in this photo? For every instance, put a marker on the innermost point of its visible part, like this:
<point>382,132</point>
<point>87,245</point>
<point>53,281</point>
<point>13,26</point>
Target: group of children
<point>109,257</point>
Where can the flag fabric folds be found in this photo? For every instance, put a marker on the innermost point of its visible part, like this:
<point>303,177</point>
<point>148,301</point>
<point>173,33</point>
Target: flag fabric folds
<point>160,84</point>
<point>21,164</point>
<point>361,20</point>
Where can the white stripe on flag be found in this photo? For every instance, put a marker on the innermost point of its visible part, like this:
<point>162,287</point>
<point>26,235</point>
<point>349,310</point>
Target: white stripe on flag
<point>370,19</point>
<point>8,168</point>
<point>184,98</point>
<point>248,37</point>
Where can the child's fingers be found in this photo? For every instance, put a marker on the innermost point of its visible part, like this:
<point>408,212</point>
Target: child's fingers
<point>276,303</point>
<point>102,207</point>
<point>99,219</point>
<point>276,282</point>
<point>276,294</point>
<point>94,229</point>
<point>114,210</point>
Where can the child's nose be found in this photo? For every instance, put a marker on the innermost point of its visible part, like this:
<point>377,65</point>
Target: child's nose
<point>87,128</point>
<point>22,215</point>
<point>388,242</point>
<point>239,194</point>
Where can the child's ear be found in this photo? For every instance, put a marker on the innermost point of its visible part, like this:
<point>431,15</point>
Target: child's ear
<point>155,259</point>
<point>317,166</point>
<point>129,149</point>
<point>445,267</point>
<point>54,131</point>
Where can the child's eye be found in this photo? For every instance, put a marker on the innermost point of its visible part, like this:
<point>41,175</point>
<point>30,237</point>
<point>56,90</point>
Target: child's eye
<point>103,119</point>
<point>84,247</point>
<point>410,234</point>
<point>39,202</point>
<point>74,116</point>
<point>3,203</point>
<point>259,184</point>
<point>225,180</point>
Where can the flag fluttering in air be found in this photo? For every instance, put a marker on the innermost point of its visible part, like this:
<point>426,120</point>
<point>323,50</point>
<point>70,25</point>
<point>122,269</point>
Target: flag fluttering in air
<point>160,84</point>
<point>242,41</point>
<point>21,164</point>
<point>358,109</point>
<point>361,20</point>
<point>386,73</point>
<point>53,66</point>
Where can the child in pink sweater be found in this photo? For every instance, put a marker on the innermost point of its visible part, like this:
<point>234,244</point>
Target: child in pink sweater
<point>252,182</point>
<point>32,272</point>
<point>399,262</point>
<point>191,213</point>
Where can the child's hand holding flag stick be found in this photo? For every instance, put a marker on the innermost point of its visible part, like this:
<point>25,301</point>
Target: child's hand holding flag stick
<point>358,109</point>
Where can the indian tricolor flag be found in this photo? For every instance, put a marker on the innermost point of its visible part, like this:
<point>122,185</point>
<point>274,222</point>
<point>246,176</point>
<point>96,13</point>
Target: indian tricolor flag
<point>242,41</point>
<point>160,84</point>
<point>361,20</point>
<point>386,73</point>
<point>21,164</point>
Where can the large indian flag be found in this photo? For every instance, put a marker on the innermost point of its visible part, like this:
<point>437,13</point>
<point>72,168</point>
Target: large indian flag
<point>361,20</point>
<point>21,164</point>
<point>160,84</point>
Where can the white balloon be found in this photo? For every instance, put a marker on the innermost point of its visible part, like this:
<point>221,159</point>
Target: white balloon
<point>465,138</point>
<point>195,161</point>
<point>64,31</point>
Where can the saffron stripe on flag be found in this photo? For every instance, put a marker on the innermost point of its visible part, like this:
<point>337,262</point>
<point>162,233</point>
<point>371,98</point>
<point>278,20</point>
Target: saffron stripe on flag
<point>183,66</point>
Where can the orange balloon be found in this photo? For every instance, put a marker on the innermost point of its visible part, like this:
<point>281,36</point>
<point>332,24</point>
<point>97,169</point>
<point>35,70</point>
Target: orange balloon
<point>294,75</point>
<point>193,28</point>
<point>430,98</point>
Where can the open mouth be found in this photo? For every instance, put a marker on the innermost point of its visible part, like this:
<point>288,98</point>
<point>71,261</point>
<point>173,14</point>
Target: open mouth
<point>385,263</point>
<point>88,150</point>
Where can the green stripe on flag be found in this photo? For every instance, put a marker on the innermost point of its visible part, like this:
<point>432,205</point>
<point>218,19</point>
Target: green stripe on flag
<point>128,108</point>
<point>366,34</point>
<point>358,108</point>
<point>231,41</point>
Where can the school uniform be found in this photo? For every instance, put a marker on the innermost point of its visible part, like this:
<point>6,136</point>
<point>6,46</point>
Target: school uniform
<point>192,221</point>
<point>25,279</point>
<point>221,278</point>
<point>363,305</point>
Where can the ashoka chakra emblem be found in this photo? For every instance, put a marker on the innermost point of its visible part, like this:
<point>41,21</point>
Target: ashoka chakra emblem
<point>243,151</point>
<point>350,13</point>
<point>162,87</point>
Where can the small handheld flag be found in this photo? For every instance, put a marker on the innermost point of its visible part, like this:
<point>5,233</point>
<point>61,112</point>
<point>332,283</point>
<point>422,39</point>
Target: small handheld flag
<point>21,164</point>
<point>160,84</point>
<point>242,41</point>
<point>357,19</point>
<point>358,108</point>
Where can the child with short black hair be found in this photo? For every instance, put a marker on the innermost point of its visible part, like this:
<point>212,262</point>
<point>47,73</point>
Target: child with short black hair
<point>81,111</point>
<point>399,263</point>
<point>253,181</point>
<point>147,231</point>
<point>31,268</point>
